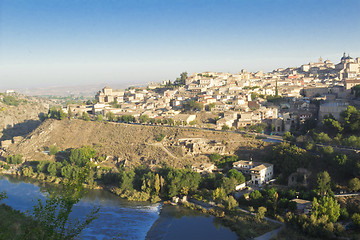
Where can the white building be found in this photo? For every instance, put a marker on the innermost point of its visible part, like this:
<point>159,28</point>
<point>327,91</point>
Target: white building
<point>260,172</point>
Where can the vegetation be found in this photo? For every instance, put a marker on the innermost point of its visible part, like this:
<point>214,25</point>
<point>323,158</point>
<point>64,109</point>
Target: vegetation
<point>14,159</point>
<point>11,100</point>
<point>49,219</point>
<point>193,105</point>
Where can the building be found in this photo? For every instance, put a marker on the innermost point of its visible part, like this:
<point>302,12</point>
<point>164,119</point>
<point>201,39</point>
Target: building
<point>108,95</point>
<point>334,108</point>
<point>260,172</point>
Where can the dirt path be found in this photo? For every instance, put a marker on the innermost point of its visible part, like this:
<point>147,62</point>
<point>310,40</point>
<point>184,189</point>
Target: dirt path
<point>163,148</point>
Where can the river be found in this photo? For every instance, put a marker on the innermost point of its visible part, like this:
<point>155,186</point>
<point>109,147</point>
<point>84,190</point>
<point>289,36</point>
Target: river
<point>117,217</point>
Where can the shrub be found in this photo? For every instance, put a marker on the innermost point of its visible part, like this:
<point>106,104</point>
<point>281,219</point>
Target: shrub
<point>53,150</point>
<point>160,137</point>
<point>14,159</point>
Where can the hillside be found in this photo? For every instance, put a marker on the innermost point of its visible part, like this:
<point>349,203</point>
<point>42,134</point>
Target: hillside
<point>19,114</point>
<point>136,143</point>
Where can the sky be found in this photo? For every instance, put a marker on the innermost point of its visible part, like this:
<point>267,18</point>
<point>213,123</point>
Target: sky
<point>80,42</point>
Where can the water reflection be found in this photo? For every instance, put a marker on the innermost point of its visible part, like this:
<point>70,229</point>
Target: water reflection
<point>131,220</point>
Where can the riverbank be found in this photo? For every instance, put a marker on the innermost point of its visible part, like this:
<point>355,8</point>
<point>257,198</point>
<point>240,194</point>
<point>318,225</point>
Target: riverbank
<point>118,218</point>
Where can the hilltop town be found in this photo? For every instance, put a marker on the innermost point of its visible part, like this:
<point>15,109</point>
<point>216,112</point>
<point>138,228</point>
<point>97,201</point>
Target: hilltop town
<point>275,101</point>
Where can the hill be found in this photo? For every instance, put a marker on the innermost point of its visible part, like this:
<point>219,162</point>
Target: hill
<point>19,114</point>
<point>136,144</point>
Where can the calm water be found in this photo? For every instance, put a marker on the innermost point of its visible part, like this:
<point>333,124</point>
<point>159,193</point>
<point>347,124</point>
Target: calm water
<point>120,218</point>
<point>127,220</point>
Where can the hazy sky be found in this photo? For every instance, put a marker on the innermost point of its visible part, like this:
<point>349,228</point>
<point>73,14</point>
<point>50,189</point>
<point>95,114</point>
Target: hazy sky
<point>68,42</point>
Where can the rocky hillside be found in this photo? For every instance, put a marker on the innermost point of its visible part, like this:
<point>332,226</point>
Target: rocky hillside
<point>19,114</point>
<point>136,144</point>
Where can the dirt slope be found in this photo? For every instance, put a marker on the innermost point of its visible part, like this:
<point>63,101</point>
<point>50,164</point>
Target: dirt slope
<point>134,143</point>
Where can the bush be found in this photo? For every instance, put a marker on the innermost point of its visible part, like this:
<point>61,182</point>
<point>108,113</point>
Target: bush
<point>53,150</point>
<point>14,159</point>
<point>160,137</point>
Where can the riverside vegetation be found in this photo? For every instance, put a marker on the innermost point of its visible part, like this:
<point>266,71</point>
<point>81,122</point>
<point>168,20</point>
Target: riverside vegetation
<point>335,170</point>
<point>49,219</point>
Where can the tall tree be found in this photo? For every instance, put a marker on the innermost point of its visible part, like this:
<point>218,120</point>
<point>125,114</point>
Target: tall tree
<point>323,183</point>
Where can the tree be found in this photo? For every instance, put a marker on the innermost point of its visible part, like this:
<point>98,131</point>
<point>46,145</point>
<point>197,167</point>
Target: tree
<point>193,105</point>
<point>225,127</point>
<point>230,203</point>
<point>354,184</point>
<point>287,158</point>
<point>53,168</point>
<point>14,159</point>
<point>99,118</point>
<point>144,118</point>
<point>260,214</point>
<point>210,106</point>
<point>53,149</point>
<point>54,213</point>
<point>228,184</point>
<point>181,80</point>
<point>323,183</point>
<point>326,206</point>
<point>214,157</point>
<point>218,194</point>
<point>351,119</point>
<point>85,116</point>
<point>110,116</point>
<point>356,220</point>
<point>27,171</point>
<point>356,90</point>
<point>288,136</point>
<point>331,126</point>
<point>42,166</point>
<point>239,177</point>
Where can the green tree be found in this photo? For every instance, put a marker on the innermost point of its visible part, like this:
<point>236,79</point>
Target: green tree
<point>225,127</point>
<point>260,214</point>
<point>354,184</point>
<point>218,194</point>
<point>27,171</point>
<point>53,149</point>
<point>193,105</point>
<point>99,117</point>
<point>85,116</point>
<point>110,116</point>
<point>144,118</point>
<point>42,166</point>
<point>287,158</point>
<point>181,80</point>
<point>331,126</point>
<point>323,183</point>
<point>53,168</point>
<point>230,203</point>
<point>214,157</point>
<point>356,220</point>
<point>326,206</point>
<point>54,213</point>
<point>351,119</point>
<point>14,159</point>
<point>238,176</point>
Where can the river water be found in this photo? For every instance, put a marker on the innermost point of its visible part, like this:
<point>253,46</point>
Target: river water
<point>118,218</point>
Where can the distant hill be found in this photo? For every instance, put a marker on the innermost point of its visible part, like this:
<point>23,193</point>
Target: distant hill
<point>135,144</point>
<point>19,114</point>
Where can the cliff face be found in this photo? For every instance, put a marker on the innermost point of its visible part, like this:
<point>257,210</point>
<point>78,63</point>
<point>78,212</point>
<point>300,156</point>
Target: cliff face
<point>21,119</point>
<point>134,144</point>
